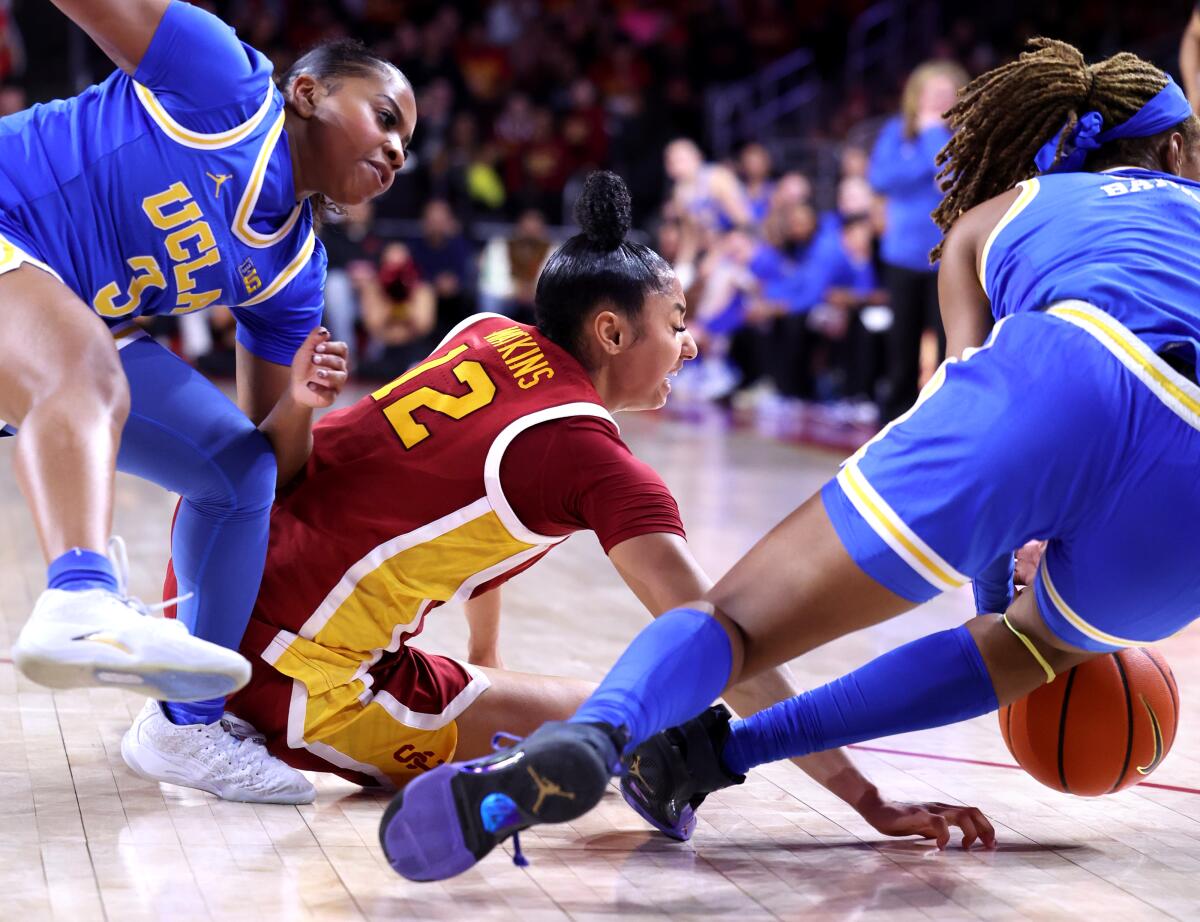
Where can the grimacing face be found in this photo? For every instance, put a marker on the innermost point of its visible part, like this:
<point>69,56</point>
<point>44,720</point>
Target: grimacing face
<point>659,351</point>
<point>359,132</point>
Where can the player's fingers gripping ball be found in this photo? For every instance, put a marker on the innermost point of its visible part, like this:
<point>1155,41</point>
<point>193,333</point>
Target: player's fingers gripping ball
<point>1103,726</point>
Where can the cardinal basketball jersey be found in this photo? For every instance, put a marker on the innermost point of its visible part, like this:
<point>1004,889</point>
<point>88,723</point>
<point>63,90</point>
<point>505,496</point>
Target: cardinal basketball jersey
<point>401,506</point>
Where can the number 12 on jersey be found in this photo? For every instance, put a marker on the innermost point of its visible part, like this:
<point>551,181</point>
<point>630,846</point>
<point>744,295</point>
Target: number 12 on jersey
<point>480,392</point>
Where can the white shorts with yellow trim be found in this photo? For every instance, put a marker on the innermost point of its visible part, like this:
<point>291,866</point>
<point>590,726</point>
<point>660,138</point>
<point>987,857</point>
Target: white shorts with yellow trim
<point>1064,426</point>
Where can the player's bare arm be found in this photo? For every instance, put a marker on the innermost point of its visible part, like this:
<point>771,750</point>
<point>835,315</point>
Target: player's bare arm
<point>662,573</point>
<point>122,28</point>
<point>966,311</point>
<point>314,380</point>
<point>1189,59</point>
<point>483,619</point>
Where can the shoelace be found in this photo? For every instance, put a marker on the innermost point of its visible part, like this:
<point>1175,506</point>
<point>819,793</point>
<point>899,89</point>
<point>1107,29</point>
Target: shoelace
<point>119,556</point>
<point>500,741</point>
<point>242,755</point>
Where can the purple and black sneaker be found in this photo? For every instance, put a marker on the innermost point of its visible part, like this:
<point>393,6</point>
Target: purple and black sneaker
<point>447,819</point>
<point>667,777</point>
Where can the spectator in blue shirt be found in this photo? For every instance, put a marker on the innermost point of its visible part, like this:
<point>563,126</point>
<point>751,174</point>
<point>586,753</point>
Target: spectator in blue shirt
<point>902,169</point>
<point>445,258</point>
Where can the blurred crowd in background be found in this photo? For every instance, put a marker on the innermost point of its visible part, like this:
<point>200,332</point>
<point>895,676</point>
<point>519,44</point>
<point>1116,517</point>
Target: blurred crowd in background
<point>806,287</point>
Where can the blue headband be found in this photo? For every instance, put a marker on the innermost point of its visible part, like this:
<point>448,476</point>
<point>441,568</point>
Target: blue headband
<point>1167,109</point>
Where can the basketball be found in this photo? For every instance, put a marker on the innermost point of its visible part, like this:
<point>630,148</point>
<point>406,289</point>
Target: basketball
<point>1099,728</point>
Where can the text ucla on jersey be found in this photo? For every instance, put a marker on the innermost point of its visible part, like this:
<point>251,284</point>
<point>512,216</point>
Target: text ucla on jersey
<point>1125,240</point>
<point>170,191</point>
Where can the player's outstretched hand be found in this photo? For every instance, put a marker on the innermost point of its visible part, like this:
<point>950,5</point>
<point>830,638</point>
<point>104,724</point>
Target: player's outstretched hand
<point>319,370</point>
<point>930,821</point>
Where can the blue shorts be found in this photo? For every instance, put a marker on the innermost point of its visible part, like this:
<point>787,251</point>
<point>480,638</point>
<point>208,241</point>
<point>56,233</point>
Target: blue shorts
<point>1063,426</point>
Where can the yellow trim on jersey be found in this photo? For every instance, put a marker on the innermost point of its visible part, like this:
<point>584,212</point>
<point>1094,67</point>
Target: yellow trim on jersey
<point>379,737</point>
<point>334,712</point>
<point>1179,394</point>
<point>1077,622</point>
<point>884,521</point>
<point>196,139</point>
<point>289,272</point>
<point>931,387</point>
<point>386,599</point>
<point>245,210</point>
<point>389,595</point>
<point>8,253</point>
<point>1029,190</point>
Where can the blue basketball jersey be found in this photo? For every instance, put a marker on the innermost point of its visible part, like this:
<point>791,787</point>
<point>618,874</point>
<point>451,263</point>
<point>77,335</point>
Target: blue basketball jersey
<point>170,191</point>
<point>1126,241</point>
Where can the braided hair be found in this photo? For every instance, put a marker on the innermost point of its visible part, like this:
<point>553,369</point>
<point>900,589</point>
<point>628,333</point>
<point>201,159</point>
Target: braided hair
<point>1004,116</point>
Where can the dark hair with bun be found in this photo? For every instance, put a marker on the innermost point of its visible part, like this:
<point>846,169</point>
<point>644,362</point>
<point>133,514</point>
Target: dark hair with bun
<point>597,266</point>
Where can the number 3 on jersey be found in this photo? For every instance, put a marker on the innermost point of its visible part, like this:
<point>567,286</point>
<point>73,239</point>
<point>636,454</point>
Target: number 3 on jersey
<point>480,392</point>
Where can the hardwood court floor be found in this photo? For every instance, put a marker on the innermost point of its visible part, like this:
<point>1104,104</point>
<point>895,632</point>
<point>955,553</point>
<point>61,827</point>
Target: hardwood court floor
<point>81,838</point>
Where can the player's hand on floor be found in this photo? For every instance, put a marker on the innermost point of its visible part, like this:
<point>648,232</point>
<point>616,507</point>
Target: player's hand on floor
<point>931,821</point>
<point>319,370</point>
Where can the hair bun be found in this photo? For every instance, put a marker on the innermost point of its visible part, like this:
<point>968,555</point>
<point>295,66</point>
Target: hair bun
<point>604,210</point>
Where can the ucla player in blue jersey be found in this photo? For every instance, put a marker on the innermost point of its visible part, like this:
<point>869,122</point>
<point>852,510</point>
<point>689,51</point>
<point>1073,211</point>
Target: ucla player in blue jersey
<point>186,179</point>
<point>1068,411</point>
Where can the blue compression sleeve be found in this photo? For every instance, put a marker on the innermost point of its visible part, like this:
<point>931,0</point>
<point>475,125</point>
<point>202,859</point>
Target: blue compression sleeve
<point>993,586</point>
<point>937,680</point>
<point>181,713</point>
<point>671,672</point>
<point>185,435</point>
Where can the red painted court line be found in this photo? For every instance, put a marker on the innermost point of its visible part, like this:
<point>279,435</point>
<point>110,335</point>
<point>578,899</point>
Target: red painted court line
<point>941,758</point>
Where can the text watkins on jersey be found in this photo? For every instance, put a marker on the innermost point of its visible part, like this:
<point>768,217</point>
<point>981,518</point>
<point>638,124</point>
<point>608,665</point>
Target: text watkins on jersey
<point>522,355</point>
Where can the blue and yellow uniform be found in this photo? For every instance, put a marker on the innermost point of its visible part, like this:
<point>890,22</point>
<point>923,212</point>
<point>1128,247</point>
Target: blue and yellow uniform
<point>169,191</point>
<point>1078,421</point>
<point>163,193</point>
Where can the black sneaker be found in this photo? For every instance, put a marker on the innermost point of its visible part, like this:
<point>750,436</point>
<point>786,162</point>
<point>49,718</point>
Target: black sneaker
<point>449,818</point>
<point>667,777</point>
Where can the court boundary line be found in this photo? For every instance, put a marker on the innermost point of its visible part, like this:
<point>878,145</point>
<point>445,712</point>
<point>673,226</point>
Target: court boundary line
<point>965,761</point>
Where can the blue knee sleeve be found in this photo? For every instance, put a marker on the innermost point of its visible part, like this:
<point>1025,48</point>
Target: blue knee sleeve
<point>672,671</point>
<point>185,435</point>
<point>219,542</point>
<point>937,680</point>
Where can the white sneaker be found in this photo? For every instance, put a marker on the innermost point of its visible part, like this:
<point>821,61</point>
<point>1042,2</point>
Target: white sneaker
<point>97,637</point>
<point>212,758</point>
